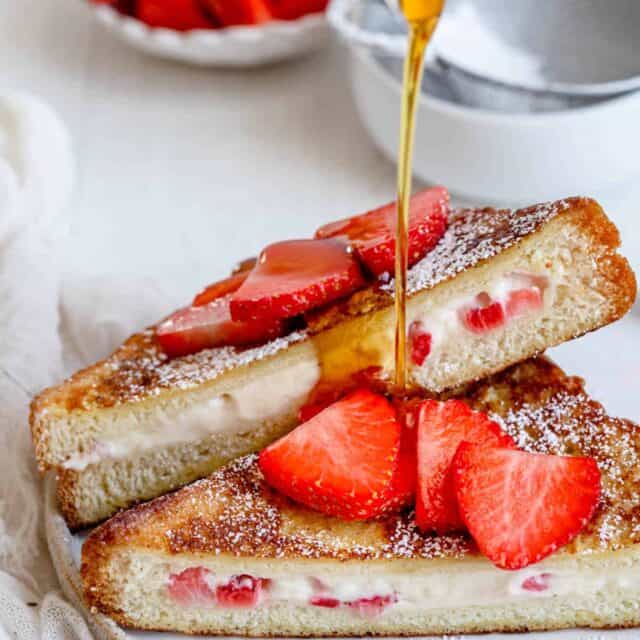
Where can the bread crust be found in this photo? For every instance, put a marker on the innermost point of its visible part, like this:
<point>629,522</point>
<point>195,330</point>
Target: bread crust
<point>139,370</point>
<point>234,514</point>
<point>139,374</point>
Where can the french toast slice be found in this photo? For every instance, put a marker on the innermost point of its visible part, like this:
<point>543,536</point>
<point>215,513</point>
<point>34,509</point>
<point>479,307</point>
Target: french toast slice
<point>139,424</point>
<point>228,555</point>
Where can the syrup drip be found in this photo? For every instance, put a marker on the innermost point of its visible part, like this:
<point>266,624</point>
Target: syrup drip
<point>422,16</point>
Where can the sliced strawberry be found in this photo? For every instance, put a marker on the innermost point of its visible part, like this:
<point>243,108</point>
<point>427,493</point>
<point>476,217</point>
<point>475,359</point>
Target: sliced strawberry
<point>487,316</point>
<point>523,301</point>
<point>537,583</point>
<point>294,9</point>
<point>442,427</point>
<point>241,591</point>
<point>520,507</point>
<point>419,343</point>
<point>341,462</point>
<point>191,588</point>
<point>403,486</point>
<point>181,15</point>
<point>373,235</point>
<point>244,265</point>
<point>240,12</point>
<point>293,277</point>
<point>196,328</point>
<point>220,289</point>
<point>372,378</point>
<point>323,601</point>
<point>374,606</point>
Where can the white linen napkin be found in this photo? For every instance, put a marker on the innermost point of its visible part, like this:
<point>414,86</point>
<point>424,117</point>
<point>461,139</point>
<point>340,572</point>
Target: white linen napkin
<point>36,174</point>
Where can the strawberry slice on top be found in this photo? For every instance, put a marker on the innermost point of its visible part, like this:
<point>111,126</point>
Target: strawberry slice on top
<point>295,276</point>
<point>373,235</point>
<point>342,461</point>
<point>208,326</point>
<point>442,426</point>
<point>520,507</point>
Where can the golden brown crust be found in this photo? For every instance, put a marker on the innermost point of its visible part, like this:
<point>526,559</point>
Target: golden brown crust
<point>235,513</point>
<point>139,370</point>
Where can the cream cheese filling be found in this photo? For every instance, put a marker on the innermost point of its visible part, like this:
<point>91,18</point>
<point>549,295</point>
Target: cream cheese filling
<point>241,409</point>
<point>439,589</point>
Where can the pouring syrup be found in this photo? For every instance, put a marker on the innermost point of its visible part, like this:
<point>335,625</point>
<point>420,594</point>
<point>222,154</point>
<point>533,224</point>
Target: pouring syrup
<point>422,16</point>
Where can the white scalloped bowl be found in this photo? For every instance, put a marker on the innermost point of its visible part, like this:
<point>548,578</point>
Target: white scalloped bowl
<point>230,47</point>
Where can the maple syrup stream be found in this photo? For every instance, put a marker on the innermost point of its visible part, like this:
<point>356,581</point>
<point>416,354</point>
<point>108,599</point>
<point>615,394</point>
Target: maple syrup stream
<point>422,16</point>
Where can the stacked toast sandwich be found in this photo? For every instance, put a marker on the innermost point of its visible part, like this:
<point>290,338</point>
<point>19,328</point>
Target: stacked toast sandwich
<point>231,373</point>
<point>230,555</point>
<point>496,495</point>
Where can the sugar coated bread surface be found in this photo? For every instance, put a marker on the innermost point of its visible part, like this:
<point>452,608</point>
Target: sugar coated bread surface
<point>233,523</point>
<point>81,427</point>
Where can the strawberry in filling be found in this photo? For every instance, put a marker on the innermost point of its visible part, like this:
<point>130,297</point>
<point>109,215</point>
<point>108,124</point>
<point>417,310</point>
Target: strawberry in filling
<point>242,591</point>
<point>523,301</point>
<point>368,607</point>
<point>325,602</point>
<point>191,587</point>
<point>537,583</point>
<point>420,343</point>
<point>488,316</point>
<point>372,607</point>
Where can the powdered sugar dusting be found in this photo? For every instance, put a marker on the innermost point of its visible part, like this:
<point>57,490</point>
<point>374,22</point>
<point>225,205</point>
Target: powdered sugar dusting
<point>568,422</point>
<point>140,369</point>
<point>475,235</point>
<point>235,512</point>
<point>148,371</point>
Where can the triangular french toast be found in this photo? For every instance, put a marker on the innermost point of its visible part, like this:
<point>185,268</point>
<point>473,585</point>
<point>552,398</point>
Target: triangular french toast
<point>228,555</point>
<point>139,424</point>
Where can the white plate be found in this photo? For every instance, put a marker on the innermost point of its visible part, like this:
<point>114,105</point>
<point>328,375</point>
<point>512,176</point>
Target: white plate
<point>231,47</point>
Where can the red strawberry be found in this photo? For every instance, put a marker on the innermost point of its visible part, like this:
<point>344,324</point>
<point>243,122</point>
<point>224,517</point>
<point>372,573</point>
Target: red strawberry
<point>196,328</point>
<point>294,9</point>
<point>523,301</point>
<point>403,485</point>
<point>442,426</point>
<point>374,606</point>
<point>295,276</point>
<point>537,583</point>
<point>484,318</point>
<point>191,588</point>
<point>220,289</point>
<point>520,507</point>
<point>419,343</point>
<point>326,602</point>
<point>240,12</point>
<point>373,235</point>
<point>341,462</point>
<point>181,15</point>
<point>242,591</point>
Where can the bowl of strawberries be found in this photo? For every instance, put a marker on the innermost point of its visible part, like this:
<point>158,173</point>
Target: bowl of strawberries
<point>229,33</point>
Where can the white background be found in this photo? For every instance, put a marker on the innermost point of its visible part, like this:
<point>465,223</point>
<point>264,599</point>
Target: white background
<point>184,171</point>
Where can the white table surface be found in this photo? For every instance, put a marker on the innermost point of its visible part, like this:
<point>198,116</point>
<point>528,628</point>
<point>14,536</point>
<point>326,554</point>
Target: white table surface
<point>183,171</point>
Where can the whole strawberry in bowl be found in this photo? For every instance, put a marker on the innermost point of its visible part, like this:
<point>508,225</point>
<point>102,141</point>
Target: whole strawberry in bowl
<point>224,33</point>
